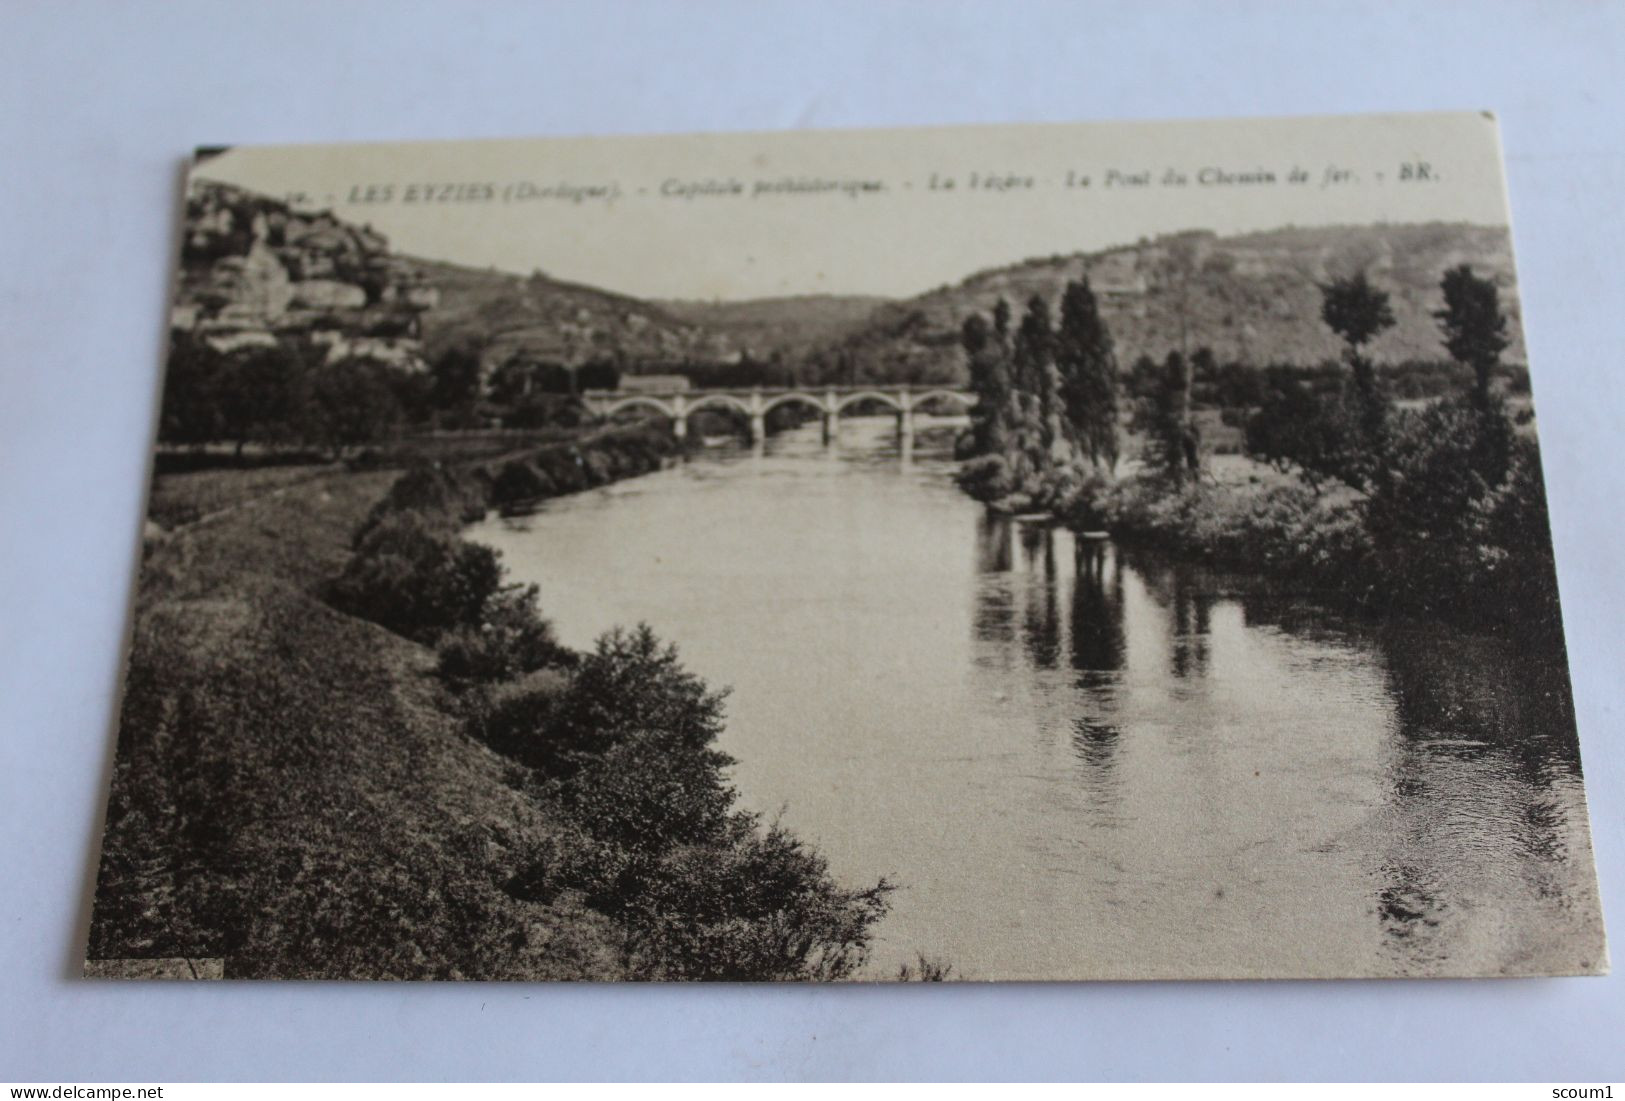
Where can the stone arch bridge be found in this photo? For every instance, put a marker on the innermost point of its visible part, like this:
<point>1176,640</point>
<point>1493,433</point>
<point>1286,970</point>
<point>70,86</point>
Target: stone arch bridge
<point>755,403</point>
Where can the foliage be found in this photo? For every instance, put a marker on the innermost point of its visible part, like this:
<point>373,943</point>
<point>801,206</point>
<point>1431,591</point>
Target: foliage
<point>412,574</point>
<point>1285,530</point>
<point>761,908</point>
<point>1358,312</point>
<point>986,478</point>
<point>573,466</point>
<point>284,395</point>
<point>263,395</point>
<point>353,403</point>
<point>989,381</point>
<point>1355,310</point>
<point>430,489</point>
<point>1172,440</point>
<point>1314,433</point>
<point>190,412</point>
<point>510,640</point>
<point>627,753</point>
<point>1087,364</point>
<point>455,375</point>
<point>1475,329</point>
<point>1048,402</point>
<point>1461,515</point>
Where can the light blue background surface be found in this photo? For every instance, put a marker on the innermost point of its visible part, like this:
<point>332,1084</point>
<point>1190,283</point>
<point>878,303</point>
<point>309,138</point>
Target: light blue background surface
<point>101,102</point>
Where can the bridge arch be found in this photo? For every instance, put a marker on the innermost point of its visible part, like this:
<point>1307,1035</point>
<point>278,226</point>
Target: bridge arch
<point>656,404</point>
<point>807,399</point>
<point>706,401</point>
<point>868,395</point>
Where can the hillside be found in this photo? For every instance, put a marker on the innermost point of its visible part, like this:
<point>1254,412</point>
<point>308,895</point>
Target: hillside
<point>1251,298</point>
<point>254,271</point>
<point>291,796</point>
<point>552,320</point>
<point>792,325</point>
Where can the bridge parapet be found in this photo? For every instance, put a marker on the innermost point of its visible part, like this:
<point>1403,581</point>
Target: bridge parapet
<point>756,402</point>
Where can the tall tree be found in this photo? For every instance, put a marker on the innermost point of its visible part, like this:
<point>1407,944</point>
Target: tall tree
<point>989,369</point>
<point>1171,441</point>
<point>1358,312</point>
<point>456,380</point>
<point>1475,332</point>
<point>1475,329</point>
<point>1001,320</point>
<point>1087,365</point>
<point>1035,381</point>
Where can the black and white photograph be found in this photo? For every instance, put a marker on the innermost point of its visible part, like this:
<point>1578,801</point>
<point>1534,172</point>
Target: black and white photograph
<point>968,554</point>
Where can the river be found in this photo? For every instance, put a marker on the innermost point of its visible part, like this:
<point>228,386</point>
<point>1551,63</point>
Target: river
<point>1086,765</point>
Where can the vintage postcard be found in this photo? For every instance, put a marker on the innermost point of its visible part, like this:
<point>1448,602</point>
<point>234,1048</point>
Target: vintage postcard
<point>997,553</point>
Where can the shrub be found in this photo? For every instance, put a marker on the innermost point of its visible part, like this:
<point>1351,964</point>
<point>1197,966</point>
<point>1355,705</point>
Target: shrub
<point>646,794</point>
<point>515,719</point>
<point>1316,434</point>
<point>987,478</point>
<point>764,908</point>
<point>511,639</point>
<point>518,480</point>
<point>598,466</point>
<point>701,891</point>
<point>413,575</point>
<point>433,491</point>
<point>1085,504</point>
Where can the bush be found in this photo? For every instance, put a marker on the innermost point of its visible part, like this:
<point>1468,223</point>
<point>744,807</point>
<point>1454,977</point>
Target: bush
<point>1317,434</point>
<point>630,687</point>
<point>511,639</point>
<point>433,491</point>
<point>1460,519</point>
<point>647,795</point>
<point>515,718</point>
<point>987,478</point>
<point>518,481</point>
<point>626,753</point>
<point>764,908</point>
<point>1286,530</point>
<point>413,575</point>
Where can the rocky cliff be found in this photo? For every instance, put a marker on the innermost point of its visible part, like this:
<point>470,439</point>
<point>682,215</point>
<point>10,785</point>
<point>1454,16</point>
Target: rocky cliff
<point>252,270</point>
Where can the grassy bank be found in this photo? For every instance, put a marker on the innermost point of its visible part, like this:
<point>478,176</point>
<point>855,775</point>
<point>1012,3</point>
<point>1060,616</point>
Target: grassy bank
<point>304,792</point>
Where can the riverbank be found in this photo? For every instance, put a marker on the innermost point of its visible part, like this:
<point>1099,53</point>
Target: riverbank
<point>1457,550</point>
<point>301,792</point>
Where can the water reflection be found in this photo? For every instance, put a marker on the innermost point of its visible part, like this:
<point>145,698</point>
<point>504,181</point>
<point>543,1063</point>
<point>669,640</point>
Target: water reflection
<point>1098,644</point>
<point>1083,762</point>
<point>1448,760</point>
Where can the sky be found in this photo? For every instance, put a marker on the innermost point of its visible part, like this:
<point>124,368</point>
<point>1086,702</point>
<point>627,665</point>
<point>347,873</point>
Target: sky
<point>875,212</point>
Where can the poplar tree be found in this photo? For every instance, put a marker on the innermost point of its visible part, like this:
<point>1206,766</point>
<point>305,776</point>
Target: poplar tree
<point>1033,369</point>
<point>989,370</point>
<point>1087,365</point>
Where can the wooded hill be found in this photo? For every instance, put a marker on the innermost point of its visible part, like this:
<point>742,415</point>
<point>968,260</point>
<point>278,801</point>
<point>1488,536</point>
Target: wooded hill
<point>793,326</point>
<point>252,269</point>
<point>556,321</point>
<point>1253,298</point>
